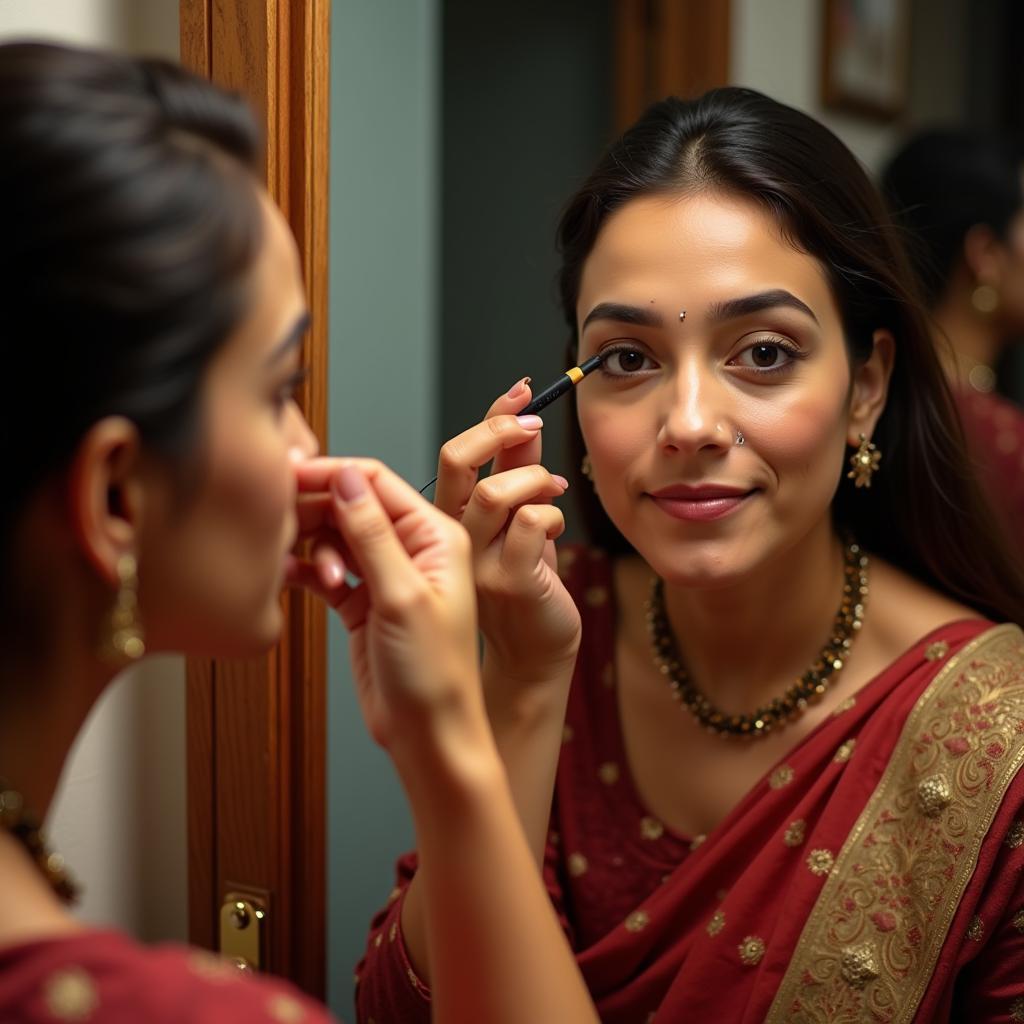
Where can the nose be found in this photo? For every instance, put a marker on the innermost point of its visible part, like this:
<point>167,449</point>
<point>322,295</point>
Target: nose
<point>302,442</point>
<point>696,415</point>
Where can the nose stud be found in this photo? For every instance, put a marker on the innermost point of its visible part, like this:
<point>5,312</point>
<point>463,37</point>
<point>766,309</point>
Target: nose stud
<point>740,439</point>
<point>682,315</point>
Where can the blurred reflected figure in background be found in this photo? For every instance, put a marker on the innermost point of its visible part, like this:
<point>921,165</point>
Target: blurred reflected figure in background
<point>961,196</point>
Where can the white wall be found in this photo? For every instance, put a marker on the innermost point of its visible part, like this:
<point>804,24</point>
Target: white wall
<point>138,26</point>
<point>776,48</point>
<point>119,816</point>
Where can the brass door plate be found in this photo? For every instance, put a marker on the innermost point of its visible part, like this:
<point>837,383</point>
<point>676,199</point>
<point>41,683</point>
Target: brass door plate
<point>243,927</point>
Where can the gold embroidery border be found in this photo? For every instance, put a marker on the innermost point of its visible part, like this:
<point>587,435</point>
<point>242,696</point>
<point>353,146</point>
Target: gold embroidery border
<point>816,944</point>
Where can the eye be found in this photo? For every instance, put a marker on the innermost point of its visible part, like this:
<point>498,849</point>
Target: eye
<point>767,355</point>
<point>626,361</point>
<point>286,392</point>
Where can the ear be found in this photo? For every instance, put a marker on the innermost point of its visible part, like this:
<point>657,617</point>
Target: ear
<point>105,494</point>
<point>870,387</point>
<point>982,253</point>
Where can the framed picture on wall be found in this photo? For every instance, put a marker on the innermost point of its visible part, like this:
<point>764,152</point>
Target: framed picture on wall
<point>866,56</point>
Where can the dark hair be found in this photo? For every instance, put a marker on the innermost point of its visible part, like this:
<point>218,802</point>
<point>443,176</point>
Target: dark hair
<point>925,512</point>
<point>129,221</point>
<point>939,186</point>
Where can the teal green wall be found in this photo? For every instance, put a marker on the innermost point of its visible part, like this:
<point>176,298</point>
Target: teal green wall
<point>384,195</point>
<point>526,113</point>
<point>445,188</point>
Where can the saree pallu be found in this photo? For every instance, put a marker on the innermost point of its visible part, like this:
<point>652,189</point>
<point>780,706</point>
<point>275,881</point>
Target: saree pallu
<point>873,875</point>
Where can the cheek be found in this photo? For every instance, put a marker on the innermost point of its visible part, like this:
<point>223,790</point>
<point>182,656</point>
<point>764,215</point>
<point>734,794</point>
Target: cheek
<point>798,432</point>
<point>615,434</point>
<point>223,569</point>
<point>252,487</point>
<point>242,517</point>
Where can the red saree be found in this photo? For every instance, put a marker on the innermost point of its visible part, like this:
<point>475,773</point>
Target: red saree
<point>995,436</point>
<point>102,977</point>
<point>875,875</point>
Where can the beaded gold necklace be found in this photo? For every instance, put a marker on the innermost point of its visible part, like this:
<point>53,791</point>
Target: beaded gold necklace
<point>16,820</point>
<point>810,686</point>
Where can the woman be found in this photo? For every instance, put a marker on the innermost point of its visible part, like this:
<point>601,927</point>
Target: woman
<point>961,198</point>
<point>158,474</point>
<point>784,758</point>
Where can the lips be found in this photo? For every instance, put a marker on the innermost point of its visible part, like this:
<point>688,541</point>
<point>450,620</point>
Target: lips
<point>701,502</point>
<point>700,492</point>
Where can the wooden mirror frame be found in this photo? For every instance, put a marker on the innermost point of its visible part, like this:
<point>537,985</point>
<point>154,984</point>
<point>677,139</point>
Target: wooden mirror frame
<point>257,730</point>
<point>667,48</point>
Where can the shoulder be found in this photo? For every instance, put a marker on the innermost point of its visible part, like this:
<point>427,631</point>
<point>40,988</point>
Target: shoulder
<point>105,978</point>
<point>990,409</point>
<point>995,429</point>
<point>901,610</point>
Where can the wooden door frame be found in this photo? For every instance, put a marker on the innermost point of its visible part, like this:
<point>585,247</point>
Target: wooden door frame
<point>667,48</point>
<point>257,730</point>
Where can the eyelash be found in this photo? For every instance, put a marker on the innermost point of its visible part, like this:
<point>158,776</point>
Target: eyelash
<point>286,392</point>
<point>769,341</point>
<point>611,350</point>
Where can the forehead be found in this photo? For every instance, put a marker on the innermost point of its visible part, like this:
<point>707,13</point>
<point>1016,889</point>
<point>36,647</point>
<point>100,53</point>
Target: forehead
<point>695,249</point>
<point>275,294</point>
<point>277,262</point>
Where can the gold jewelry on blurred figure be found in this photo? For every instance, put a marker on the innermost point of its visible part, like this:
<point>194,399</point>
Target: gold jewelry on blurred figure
<point>985,299</point>
<point>982,378</point>
<point>126,637</point>
<point>586,468</point>
<point>864,463</point>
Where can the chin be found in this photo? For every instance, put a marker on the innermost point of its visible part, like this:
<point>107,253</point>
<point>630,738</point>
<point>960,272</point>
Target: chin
<point>248,638</point>
<point>268,631</point>
<point>697,563</point>
<point>697,573</point>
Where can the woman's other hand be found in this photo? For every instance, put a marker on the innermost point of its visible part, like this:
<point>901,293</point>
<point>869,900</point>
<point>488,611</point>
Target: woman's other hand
<point>412,616</point>
<point>530,623</point>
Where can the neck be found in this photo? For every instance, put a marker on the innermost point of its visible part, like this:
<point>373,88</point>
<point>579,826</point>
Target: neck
<point>51,674</point>
<point>47,703</point>
<point>749,642</point>
<point>965,339</point>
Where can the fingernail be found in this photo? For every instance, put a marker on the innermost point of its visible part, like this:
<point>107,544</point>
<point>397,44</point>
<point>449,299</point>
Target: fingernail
<point>561,481</point>
<point>349,485</point>
<point>518,387</point>
<point>530,422</point>
<point>332,574</point>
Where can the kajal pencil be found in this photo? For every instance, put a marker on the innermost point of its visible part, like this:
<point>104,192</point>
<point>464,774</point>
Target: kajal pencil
<point>565,383</point>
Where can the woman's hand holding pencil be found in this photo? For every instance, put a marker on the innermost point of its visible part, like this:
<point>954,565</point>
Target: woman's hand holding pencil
<point>530,623</point>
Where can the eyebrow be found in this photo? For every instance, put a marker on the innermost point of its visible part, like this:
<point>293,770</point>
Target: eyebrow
<point>623,314</point>
<point>731,309</point>
<point>292,338</point>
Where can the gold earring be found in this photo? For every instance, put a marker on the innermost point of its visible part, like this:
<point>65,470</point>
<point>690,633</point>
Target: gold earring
<point>586,468</point>
<point>126,637</point>
<point>864,462</point>
<point>985,299</point>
